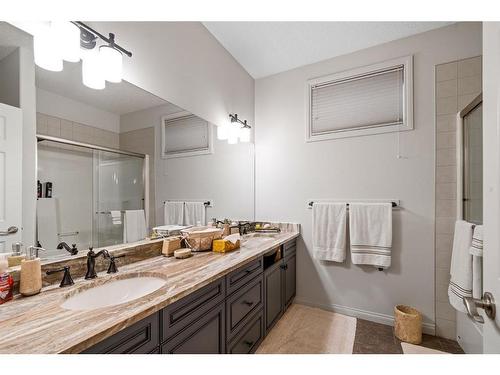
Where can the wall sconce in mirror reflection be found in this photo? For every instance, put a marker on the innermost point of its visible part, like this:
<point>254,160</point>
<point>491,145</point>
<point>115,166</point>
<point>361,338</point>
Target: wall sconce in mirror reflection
<point>59,41</point>
<point>234,130</point>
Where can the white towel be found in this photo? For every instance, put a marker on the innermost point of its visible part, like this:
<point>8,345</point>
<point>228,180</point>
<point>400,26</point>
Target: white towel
<point>476,247</point>
<point>329,231</point>
<point>194,213</point>
<point>116,217</point>
<point>134,226</point>
<point>173,213</point>
<point>476,251</point>
<point>370,226</point>
<point>461,265</point>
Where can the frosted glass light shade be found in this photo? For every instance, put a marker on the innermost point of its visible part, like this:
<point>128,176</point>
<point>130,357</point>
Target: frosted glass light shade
<point>92,74</point>
<point>111,63</point>
<point>245,135</point>
<point>223,132</point>
<point>47,55</point>
<point>68,40</point>
<point>234,132</point>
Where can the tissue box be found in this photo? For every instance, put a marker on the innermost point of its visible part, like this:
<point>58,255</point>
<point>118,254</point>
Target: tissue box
<point>224,246</point>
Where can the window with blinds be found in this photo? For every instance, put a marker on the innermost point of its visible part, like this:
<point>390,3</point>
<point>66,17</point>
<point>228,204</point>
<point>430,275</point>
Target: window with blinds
<point>185,134</point>
<point>369,100</point>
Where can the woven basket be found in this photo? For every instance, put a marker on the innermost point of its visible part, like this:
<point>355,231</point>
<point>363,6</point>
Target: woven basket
<point>200,238</point>
<point>408,324</point>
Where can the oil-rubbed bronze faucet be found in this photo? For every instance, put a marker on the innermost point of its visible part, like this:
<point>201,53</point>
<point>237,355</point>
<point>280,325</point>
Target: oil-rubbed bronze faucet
<point>91,274</point>
<point>66,280</point>
<point>72,250</point>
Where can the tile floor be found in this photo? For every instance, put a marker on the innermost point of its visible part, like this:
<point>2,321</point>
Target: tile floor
<point>376,338</point>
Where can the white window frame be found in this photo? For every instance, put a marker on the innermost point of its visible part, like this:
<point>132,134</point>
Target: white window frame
<point>405,61</point>
<point>207,151</point>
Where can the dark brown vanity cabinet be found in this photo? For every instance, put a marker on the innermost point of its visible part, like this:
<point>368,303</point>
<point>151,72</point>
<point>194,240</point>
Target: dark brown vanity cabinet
<point>279,282</point>
<point>230,315</point>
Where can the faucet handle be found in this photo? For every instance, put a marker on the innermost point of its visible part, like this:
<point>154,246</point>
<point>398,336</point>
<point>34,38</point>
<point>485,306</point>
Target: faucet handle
<point>67,280</point>
<point>112,265</point>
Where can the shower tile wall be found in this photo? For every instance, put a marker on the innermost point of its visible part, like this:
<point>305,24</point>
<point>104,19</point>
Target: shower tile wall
<point>457,84</point>
<point>58,127</point>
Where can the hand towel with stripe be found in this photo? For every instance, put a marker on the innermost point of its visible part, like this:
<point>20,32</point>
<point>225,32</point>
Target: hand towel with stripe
<point>476,251</point>
<point>461,266</point>
<point>329,231</point>
<point>370,226</point>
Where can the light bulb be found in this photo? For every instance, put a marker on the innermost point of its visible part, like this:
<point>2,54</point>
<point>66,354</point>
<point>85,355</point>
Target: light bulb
<point>111,63</point>
<point>223,132</point>
<point>245,134</point>
<point>234,132</point>
<point>92,74</point>
<point>47,55</point>
<point>68,40</point>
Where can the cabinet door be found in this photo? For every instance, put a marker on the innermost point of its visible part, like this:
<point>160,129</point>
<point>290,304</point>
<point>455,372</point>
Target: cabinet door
<point>289,272</point>
<point>204,336</point>
<point>273,294</point>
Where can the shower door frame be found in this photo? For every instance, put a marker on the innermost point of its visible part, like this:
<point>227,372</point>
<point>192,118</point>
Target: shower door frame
<point>145,167</point>
<point>462,149</point>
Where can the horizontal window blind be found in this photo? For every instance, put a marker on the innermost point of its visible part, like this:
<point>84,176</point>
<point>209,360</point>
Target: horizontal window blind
<point>185,134</point>
<point>358,102</point>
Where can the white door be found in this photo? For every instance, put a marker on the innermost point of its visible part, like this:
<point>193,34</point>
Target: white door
<point>491,189</point>
<point>11,154</point>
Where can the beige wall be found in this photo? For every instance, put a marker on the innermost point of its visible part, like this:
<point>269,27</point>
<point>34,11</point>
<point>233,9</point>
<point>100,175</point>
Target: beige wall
<point>290,172</point>
<point>183,63</point>
<point>457,84</point>
<point>143,141</point>
<point>9,73</point>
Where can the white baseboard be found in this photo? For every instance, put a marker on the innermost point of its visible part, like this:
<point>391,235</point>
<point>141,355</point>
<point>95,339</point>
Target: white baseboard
<point>428,328</point>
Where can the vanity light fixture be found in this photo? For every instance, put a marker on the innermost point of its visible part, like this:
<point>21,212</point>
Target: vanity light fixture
<point>237,129</point>
<point>74,40</point>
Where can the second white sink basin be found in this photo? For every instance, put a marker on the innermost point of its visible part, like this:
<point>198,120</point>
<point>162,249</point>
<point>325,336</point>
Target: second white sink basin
<point>113,293</point>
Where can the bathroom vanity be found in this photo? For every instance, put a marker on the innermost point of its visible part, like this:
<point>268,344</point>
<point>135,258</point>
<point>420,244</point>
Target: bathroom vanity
<point>231,315</point>
<point>211,303</point>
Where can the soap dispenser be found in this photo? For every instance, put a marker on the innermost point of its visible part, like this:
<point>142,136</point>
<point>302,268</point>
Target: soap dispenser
<point>31,272</point>
<point>16,257</point>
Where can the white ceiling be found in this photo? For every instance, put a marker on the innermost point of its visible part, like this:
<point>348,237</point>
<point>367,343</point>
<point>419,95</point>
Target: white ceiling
<point>265,48</point>
<point>118,98</point>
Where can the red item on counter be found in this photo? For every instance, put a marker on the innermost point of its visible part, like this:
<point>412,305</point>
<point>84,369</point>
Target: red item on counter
<point>6,287</point>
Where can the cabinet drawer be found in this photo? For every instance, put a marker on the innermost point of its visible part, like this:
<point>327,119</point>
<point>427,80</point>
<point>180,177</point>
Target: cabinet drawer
<point>140,338</point>
<point>243,304</point>
<point>250,336</point>
<point>203,336</point>
<point>183,312</point>
<point>241,276</point>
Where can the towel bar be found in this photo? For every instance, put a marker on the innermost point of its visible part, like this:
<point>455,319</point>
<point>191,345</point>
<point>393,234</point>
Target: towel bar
<point>206,203</point>
<point>394,204</point>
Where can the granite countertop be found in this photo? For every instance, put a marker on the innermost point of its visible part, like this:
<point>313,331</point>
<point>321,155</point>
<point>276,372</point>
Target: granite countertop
<point>38,324</point>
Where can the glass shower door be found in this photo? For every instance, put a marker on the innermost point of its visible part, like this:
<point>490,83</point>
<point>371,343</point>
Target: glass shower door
<point>473,166</point>
<point>118,186</point>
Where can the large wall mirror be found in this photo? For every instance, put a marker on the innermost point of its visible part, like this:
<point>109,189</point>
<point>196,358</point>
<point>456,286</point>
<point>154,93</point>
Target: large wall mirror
<point>113,164</point>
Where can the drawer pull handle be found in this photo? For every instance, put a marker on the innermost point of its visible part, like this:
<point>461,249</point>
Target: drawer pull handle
<point>248,271</point>
<point>283,266</point>
<point>248,303</point>
<point>248,343</point>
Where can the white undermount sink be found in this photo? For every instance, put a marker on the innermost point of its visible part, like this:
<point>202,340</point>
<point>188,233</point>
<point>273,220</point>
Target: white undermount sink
<point>113,293</point>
